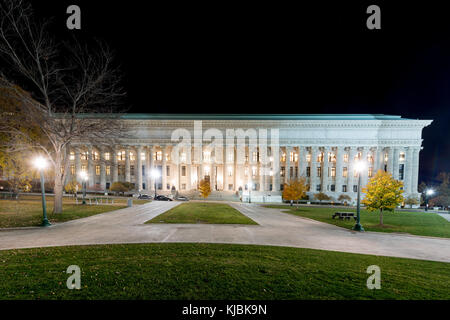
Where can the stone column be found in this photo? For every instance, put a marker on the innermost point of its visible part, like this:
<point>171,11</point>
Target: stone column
<point>102,169</point>
<point>395,163</point>
<point>77,164</point>
<point>325,169</point>
<point>351,169</point>
<point>276,169</point>
<point>148,170</point>
<point>139,168</point>
<point>339,166</point>
<point>302,161</point>
<point>127,165</point>
<point>313,170</point>
<point>379,160</point>
<point>390,162</point>
<point>408,170</point>
<point>364,173</point>
<point>91,172</point>
<point>164,168</point>
<point>115,166</point>
<point>287,175</point>
<point>415,170</point>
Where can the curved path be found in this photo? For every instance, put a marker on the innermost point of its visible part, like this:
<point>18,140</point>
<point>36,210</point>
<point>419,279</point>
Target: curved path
<point>275,228</point>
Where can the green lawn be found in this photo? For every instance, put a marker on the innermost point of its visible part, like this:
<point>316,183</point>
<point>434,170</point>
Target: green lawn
<point>26,213</point>
<point>417,223</point>
<point>202,212</point>
<point>214,271</point>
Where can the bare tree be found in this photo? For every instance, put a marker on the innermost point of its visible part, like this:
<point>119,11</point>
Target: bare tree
<point>62,89</point>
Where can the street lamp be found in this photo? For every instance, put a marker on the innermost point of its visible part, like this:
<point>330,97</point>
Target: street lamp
<point>84,177</point>
<point>359,168</point>
<point>428,192</point>
<point>155,175</point>
<point>40,163</point>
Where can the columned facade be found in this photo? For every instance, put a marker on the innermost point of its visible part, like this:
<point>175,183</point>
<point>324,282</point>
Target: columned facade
<point>320,149</point>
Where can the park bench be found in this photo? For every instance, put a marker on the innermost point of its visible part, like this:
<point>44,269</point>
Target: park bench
<point>344,215</point>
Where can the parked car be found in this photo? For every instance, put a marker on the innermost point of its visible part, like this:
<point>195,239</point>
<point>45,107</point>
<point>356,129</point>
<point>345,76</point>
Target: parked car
<point>182,198</point>
<point>162,198</point>
<point>144,197</point>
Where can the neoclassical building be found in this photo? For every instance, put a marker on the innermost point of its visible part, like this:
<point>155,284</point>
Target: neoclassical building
<point>321,148</point>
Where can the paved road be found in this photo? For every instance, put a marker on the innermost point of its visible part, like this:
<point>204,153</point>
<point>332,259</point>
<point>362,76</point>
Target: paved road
<point>275,228</point>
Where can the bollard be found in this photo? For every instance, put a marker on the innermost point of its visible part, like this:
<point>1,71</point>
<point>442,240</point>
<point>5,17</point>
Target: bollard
<point>130,203</point>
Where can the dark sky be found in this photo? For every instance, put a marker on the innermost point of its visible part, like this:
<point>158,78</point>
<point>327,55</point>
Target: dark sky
<point>275,58</point>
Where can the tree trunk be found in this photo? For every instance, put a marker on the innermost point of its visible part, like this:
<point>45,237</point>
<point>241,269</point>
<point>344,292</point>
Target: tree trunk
<point>381,217</point>
<point>58,188</point>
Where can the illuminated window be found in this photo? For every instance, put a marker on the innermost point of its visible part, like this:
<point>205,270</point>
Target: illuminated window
<point>132,156</point>
<point>346,157</point>
<point>308,157</point>
<point>183,157</point>
<point>230,157</point>
<point>333,172</point>
<point>107,156</point>
<point>84,155</point>
<point>95,155</point>
<point>108,170</point>
<point>331,157</point>
<point>283,172</point>
<point>83,168</point>
<point>97,170</point>
<point>121,155</point>
<point>143,156</point>
<point>206,156</point>
<point>159,155</point>
<point>402,156</point>
<point>295,157</point>
<point>358,156</point>
<point>344,172</point>
<point>283,157</point>
<point>370,174</point>
<point>320,157</point>
<point>291,156</point>
<point>72,169</point>
<point>319,171</point>
<point>255,156</point>
<point>370,158</point>
<point>386,157</point>
<point>254,171</point>
<point>72,155</point>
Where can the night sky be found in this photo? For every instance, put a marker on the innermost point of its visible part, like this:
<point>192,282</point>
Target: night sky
<point>273,58</point>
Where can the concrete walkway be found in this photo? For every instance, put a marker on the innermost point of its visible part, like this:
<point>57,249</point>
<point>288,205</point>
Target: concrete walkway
<point>446,216</point>
<point>275,228</point>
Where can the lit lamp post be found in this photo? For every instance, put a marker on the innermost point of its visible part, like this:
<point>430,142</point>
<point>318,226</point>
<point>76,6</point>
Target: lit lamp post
<point>359,167</point>
<point>428,193</point>
<point>84,178</point>
<point>40,163</point>
<point>155,175</point>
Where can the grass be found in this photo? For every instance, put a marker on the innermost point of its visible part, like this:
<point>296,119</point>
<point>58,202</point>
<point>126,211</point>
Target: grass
<point>27,212</point>
<point>214,271</point>
<point>416,223</point>
<point>202,212</point>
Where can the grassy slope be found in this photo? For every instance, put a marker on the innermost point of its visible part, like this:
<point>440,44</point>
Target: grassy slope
<point>214,271</point>
<point>417,223</point>
<point>26,213</point>
<point>199,212</point>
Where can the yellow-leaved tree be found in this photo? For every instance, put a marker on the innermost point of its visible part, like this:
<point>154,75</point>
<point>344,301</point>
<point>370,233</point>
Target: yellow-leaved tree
<point>295,190</point>
<point>204,188</point>
<point>383,192</point>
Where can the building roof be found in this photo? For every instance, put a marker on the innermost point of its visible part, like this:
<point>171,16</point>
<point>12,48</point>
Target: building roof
<point>191,116</point>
